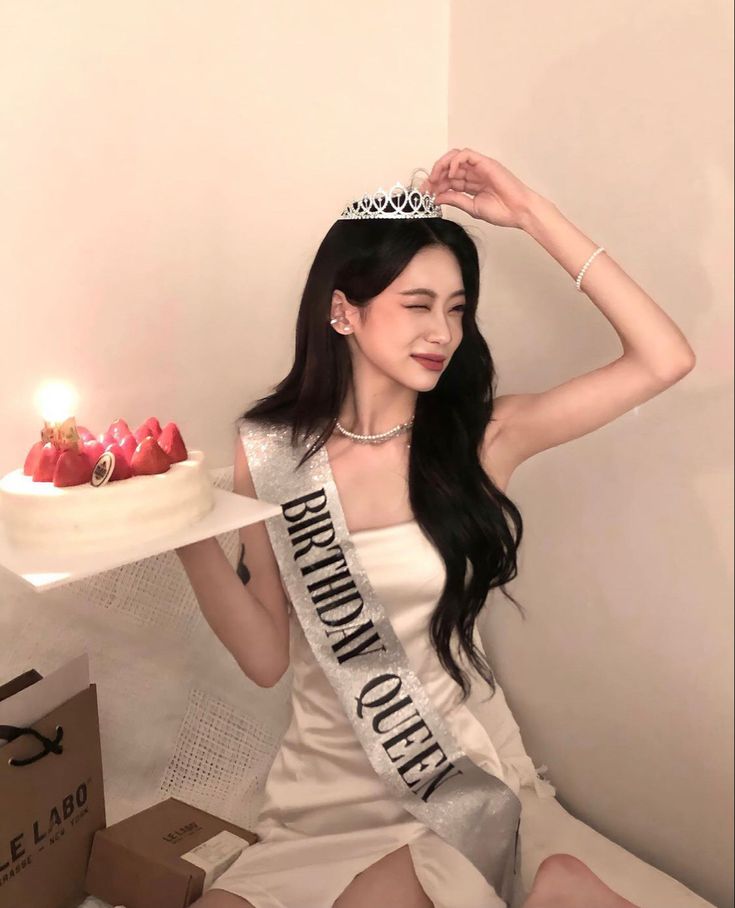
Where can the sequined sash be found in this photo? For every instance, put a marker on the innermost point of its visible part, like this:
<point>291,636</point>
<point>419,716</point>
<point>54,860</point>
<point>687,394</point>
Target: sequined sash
<point>405,738</point>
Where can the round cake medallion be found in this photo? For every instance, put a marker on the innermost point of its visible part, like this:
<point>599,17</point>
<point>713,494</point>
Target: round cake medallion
<point>103,469</point>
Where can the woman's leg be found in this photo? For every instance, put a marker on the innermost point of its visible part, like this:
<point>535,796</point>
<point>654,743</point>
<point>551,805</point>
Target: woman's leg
<point>390,881</point>
<point>563,881</point>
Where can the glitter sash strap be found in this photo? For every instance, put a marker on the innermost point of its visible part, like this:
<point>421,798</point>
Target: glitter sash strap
<point>406,739</point>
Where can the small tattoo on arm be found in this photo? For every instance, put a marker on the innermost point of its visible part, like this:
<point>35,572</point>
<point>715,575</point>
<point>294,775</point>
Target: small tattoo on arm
<point>242,569</point>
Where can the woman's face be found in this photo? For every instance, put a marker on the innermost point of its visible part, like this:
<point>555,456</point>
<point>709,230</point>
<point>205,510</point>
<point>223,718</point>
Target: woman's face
<point>398,324</point>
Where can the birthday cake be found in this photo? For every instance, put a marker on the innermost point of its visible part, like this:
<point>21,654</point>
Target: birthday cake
<point>81,493</point>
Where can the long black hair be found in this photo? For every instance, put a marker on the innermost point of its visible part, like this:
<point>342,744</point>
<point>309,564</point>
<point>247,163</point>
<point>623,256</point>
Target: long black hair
<point>453,500</point>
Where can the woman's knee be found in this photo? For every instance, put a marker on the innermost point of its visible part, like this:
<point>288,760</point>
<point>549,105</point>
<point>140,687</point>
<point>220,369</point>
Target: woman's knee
<point>564,880</point>
<point>219,898</point>
<point>560,873</point>
<point>390,880</point>
<point>561,864</point>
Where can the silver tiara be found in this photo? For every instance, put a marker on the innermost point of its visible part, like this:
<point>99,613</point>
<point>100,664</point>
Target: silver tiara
<point>380,204</point>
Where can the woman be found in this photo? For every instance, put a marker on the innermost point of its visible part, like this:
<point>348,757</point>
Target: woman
<point>390,457</point>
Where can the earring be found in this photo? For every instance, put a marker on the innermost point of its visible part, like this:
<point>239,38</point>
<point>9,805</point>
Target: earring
<point>346,328</point>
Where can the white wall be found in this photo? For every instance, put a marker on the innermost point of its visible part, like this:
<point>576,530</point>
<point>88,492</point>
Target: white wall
<point>620,679</point>
<point>167,171</point>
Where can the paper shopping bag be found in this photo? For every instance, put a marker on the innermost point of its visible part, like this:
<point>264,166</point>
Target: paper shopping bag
<point>51,804</point>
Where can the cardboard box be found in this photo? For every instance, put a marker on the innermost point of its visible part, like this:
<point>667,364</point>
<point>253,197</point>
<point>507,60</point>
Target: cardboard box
<point>153,859</point>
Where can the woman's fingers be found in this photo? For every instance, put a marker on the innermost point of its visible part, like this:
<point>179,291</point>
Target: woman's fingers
<point>455,170</point>
<point>442,165</point>
<point>464,159</point>
<point>461,183</point>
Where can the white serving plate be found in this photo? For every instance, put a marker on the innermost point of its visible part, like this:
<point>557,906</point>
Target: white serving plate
<point>45,571</point>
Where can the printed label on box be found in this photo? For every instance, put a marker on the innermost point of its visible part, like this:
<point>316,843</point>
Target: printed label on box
<point>216,854</point>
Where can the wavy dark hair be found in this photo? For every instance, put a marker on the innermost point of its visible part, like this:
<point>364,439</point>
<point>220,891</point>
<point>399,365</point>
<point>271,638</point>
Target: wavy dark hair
<point>453,500</point>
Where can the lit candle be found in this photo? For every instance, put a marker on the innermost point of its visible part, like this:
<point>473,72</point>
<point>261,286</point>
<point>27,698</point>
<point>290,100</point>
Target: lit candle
<point>57,401</point>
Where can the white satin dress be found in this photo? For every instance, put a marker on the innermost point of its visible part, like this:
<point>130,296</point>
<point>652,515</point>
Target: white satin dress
<point>326,815</point>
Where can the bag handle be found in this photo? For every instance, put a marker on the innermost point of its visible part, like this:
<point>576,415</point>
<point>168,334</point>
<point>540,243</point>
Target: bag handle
<point>11,732</point>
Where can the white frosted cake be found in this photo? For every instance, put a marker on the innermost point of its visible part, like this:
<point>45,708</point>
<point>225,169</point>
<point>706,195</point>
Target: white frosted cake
<point>152,491</point>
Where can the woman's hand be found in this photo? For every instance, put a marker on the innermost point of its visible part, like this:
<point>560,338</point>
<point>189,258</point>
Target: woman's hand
<point>481,186</point>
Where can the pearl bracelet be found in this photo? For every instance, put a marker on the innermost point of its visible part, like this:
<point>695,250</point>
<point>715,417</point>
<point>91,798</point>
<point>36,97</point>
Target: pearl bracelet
<point>586,266</point>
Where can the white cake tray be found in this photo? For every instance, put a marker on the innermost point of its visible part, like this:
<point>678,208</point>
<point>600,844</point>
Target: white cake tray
<point>43,572</point>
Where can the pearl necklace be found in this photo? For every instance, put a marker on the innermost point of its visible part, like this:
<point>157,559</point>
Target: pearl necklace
<point>380,437</point>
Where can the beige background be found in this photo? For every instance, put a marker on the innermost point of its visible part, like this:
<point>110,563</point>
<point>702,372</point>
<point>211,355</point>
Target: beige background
<point>167,171</point>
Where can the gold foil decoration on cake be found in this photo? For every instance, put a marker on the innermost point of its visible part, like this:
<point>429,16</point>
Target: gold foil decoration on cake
<point>62,435</point>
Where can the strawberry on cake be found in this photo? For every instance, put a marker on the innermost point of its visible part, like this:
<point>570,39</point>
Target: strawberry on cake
<point>81,493</point>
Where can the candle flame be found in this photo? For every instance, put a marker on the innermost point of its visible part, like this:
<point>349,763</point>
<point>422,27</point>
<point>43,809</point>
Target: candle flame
<point>56,400</point>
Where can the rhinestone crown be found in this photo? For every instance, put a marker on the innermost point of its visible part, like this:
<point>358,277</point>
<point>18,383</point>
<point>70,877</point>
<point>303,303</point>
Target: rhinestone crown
<point>414,204</point>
